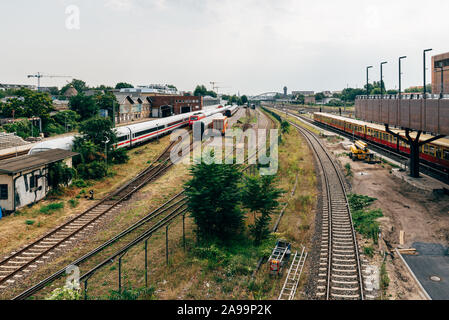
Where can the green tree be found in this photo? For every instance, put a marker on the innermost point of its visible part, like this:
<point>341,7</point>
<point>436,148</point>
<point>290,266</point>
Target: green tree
<point>59,174</point>
<point>79,85</point>
<point>106,101</point>
<point>213,200</point>
<point>202,91</point>
<point>319,96</point>
<point>85,106</point>
<point>260,196</point>
<point>98,130</point>
<point>123,85</point>
<point>67,119</point>
<point>95,145</point>
<point>285,127</point>
<point>349,94</point>
<point>22,128</point>
<point>244,99</point>
<point>300,98</point>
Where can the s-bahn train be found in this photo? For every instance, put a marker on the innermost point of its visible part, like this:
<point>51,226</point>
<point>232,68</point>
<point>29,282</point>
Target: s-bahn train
<point>131,135</point>
<point>434,153</point>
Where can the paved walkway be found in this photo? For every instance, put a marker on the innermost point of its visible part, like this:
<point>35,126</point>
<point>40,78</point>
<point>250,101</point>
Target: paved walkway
<point>432,261</point>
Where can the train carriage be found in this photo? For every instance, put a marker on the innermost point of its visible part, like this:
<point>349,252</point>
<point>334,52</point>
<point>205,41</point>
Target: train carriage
<point>436,152</point>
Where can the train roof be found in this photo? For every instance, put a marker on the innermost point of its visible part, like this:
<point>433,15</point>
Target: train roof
<point>442,142</point>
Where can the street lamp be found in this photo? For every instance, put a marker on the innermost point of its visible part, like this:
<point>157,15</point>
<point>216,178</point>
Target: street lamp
<point>381,79</point>
<point>424,71</point>
<point>400,74</point>
<point>367,81</point>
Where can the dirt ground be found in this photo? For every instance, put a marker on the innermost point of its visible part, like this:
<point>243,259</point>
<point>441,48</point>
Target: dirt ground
<point>422,215</point>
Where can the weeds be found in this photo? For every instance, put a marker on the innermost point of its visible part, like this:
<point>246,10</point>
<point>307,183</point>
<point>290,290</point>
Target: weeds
<point>365,220</point>
<point>348,170</point>
<point>51,208</point>
<point>369,251</point>
<point>131,294</point>
<point>384,279</point>
<point>74,203</point>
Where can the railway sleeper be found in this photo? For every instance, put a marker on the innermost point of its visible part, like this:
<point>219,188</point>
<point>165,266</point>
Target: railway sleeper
<point>344,296</point>
<point>345,282</point>
<point>345,289</point>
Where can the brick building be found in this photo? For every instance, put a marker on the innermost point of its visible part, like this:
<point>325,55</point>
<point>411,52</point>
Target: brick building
<point>440,62</point>
<point>136,106</point>
<point>164,106</point>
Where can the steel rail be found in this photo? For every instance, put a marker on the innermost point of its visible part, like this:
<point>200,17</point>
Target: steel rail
<point>309,136</point>
<point>147,175</point>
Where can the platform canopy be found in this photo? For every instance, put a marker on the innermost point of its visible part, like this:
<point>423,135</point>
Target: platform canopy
<point>29,162</point>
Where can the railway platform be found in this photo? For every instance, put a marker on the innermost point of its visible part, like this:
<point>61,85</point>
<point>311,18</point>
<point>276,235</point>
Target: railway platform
<point>431,269</point>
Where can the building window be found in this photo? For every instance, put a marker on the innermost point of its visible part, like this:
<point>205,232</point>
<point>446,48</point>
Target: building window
<point>33,182</point>
<point>3,192</point>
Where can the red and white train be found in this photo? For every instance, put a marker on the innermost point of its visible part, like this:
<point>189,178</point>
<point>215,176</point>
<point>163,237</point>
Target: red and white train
<point>131,135</point>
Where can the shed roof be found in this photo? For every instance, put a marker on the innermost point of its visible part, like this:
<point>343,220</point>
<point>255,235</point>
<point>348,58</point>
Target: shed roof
<point>28,162</point>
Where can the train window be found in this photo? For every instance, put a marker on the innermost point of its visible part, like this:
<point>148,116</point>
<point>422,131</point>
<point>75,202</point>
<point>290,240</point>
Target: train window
<point>438,154</point>
<point>446,155</point>
<point>3,192</point>
<point>122,138</point>
<point>432,150</point>
<point>426,148</point>
<point>142,133</point>
<point>173,123</point>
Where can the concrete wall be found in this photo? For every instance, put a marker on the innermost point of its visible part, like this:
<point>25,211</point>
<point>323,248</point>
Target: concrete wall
<point>428,115</point>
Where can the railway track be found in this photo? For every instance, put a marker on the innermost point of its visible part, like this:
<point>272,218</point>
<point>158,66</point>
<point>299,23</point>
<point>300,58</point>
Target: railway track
<point>25,260</point>
<point>153,221</point>
<point>426,167</point>
<point>340,273</point>
<point>138,232</point>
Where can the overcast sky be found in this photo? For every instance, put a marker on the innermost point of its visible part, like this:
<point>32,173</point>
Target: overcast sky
<point>252,46</point>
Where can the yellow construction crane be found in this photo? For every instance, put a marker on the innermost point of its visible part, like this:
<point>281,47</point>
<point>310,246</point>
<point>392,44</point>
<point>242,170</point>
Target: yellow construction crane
<point>40,75</point>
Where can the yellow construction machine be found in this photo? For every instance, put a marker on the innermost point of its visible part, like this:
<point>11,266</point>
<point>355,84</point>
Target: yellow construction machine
<point>360,151</point>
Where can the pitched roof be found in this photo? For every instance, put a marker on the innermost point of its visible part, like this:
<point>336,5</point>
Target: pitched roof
<point>28,162</point>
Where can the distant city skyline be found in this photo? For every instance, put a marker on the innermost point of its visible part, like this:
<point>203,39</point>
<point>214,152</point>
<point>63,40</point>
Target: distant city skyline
<point>247,46</point>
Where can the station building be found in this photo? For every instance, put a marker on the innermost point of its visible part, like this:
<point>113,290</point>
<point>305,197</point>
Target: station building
<point>440,63</point>
<point>24,179</point>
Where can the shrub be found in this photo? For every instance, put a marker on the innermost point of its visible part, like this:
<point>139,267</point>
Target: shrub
<point>51,208</point>
<point>369,251</point>
<point>119,156</point>
<point>384,279</point>
<point>359,202</point>
<point>74,203</point>
<point>80,183</point>
<point>131,294</point>
<point>65,293</point>
<point>93,170</point>
<point>29,222</point>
